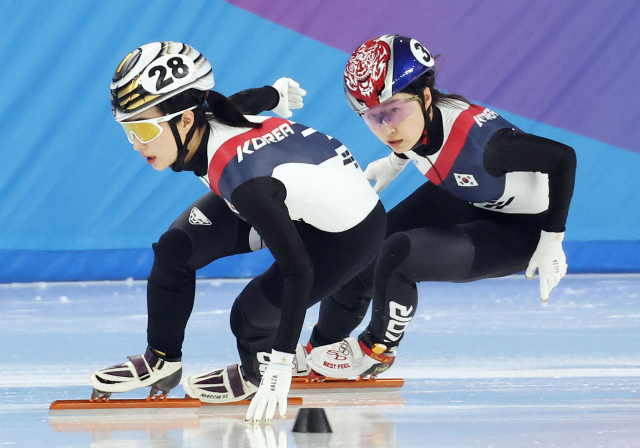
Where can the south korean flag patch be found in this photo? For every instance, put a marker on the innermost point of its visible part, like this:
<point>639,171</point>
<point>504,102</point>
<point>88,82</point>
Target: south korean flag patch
<point>465,180</point>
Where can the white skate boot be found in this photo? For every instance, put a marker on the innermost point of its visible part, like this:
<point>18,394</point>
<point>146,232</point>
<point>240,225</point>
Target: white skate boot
<point>139,371</point>
<point>350,358</point>
<point>300,366</point>
<point>229,385</point>
<point>220,386</point>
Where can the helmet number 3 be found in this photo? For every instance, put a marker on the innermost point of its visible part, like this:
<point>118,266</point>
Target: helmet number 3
<point>167,73</point>
<point>421,54</point>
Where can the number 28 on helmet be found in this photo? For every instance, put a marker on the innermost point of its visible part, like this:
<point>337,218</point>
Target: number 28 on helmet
<point>155,72</point>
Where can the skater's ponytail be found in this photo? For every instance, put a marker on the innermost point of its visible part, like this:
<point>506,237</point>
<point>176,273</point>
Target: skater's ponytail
<point>211,105</point>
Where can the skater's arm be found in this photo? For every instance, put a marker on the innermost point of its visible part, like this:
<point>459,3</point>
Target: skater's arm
<point>285,95</point>
<point>261,202</point>
<point>512,150</point>
<point>255,101</point>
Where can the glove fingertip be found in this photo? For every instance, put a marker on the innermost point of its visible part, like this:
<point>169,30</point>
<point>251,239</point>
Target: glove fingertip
<point>544,289</point>
<point>531,270</point>
<point>251,411</point>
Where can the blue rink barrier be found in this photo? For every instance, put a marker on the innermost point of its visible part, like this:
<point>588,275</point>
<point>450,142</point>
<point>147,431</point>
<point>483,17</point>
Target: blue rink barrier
<point>25,266</point>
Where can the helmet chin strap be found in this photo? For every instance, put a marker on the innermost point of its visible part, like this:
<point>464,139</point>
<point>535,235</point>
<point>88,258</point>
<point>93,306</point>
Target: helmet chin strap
<point>424,139</point>
<point>183,151</point>
<point>418,88</point>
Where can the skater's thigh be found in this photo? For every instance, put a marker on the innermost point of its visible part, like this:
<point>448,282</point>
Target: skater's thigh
<point>431,205</point>
<point>459,253</point>
<point>215,231</point>
<point>338,257</point>
<point>501,247</point>
<point>331,271</point>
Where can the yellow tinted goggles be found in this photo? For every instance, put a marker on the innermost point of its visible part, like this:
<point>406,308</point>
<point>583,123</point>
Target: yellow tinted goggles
<point>147,130</point>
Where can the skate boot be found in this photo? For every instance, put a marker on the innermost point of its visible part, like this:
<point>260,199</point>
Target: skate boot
<point>300,366</point>
<point>139,371</point>
<point>230,385</point>
<point>308,372</point>
<point>220,386</point>
<point>350,358</point>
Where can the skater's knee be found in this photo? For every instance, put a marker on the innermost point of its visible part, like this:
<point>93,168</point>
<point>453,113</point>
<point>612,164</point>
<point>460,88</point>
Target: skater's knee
<point>172,253</point>
<point>395,250</point>
<point>353,294</point>
<point>174,247</point>
<point>426,254</point>
<point>252,314</point>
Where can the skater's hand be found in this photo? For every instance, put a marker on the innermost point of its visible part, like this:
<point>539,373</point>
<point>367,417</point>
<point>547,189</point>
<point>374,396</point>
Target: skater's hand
<point>384,170</point>
<point>550,260</point>
<point>273,389</point>
<point>290,95</point>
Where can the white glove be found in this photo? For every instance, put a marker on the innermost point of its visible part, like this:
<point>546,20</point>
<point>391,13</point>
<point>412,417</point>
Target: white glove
<point>273,389</point>
<point>550,260</point>
<point>290,96</point>
<point>384,170</point>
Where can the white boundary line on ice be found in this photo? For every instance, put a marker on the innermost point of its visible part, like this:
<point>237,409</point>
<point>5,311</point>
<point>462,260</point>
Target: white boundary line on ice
<point>29,376</point>
<point>127,282</point>
<point>461,373</point>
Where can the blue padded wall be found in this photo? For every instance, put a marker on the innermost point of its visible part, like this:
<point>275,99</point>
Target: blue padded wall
<point>79,203</point>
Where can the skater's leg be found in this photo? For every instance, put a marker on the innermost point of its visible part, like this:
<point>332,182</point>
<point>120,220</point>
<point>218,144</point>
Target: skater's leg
<point>444,253</point>
<point>343,311</point>
<point>190,244</point>
<point>255,320</point>
<point>206,231</point>
<point>170,293</point>
<point>462,253</point>
<point>344,271</point>
<point>336,257</point>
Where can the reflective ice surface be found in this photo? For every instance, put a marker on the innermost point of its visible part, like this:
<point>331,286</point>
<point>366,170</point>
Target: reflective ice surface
<point>486,365</point>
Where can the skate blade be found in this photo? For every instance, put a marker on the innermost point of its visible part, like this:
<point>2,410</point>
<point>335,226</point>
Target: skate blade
<point>143,403</point>
<point>361,384</point>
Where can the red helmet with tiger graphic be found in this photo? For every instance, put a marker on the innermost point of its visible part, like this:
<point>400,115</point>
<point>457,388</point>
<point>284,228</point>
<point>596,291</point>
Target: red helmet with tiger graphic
<point>382,67</point>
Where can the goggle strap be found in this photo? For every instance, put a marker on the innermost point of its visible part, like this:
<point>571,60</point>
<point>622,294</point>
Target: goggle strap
<point>177,165</point>
<point>183,151</point>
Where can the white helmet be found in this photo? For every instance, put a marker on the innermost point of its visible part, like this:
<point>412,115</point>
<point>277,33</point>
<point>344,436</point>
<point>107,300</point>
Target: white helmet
<point>155,72</point>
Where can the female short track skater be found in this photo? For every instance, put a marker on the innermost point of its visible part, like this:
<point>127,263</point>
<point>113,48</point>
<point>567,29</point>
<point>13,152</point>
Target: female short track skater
<point>274,183</point>
<point>496,203</point>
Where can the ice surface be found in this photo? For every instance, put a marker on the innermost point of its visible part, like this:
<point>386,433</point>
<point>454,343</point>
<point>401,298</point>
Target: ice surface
<point>487,365</point>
